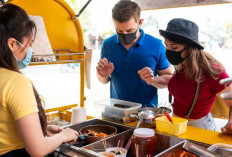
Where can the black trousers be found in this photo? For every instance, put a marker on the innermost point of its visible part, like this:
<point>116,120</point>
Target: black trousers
<point>21,153</point>
<point>17,153</point>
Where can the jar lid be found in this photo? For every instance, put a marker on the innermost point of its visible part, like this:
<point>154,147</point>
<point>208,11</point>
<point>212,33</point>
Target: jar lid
<point>144,132</point>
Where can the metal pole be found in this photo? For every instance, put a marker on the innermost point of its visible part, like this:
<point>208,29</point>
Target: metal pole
<point>82,9</point>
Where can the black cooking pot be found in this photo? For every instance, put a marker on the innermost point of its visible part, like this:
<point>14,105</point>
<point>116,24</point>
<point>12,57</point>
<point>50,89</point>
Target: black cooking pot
<point>157,111</point>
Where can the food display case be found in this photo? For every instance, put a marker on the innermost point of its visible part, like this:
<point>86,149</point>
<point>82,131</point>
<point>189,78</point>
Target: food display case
<point>116,110</point>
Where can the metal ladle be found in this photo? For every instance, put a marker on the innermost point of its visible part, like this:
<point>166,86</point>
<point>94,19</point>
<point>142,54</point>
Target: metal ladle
<point>139,122</point>
<point>145,116</point>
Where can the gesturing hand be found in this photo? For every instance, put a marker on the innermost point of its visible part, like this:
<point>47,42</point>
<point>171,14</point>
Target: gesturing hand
<point>147,75</point>
<point>227,129</point>
<point>104,68</point>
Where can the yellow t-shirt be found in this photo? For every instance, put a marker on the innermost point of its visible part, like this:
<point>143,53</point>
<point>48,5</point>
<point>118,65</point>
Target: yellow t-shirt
<point>17,100</point>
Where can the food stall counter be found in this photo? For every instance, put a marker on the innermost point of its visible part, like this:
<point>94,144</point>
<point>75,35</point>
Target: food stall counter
<point>201,135</point>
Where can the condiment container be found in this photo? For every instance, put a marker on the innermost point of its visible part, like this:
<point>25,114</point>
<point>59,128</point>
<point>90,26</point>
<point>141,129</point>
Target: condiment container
<point>144,142</point>
<point>178,127</point>
<point>108,154</point>
<point>118,151</point>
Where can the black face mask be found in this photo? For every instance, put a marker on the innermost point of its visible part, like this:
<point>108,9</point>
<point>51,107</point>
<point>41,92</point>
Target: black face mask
<point>127,39</point>
<point>174,57</point>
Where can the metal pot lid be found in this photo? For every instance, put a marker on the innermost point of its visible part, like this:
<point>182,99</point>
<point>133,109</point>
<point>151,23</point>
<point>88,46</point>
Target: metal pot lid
<point>147,114</point>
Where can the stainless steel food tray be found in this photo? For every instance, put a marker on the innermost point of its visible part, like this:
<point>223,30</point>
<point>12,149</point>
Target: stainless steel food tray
<point>166,144</point>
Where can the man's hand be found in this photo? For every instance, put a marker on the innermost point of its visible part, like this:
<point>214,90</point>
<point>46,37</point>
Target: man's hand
<point>147,75</point>
<point>104,69</point>
<point>158,82</point>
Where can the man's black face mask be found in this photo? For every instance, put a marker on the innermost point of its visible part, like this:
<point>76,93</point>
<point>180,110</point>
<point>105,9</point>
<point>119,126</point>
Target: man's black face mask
<point>127,39</point>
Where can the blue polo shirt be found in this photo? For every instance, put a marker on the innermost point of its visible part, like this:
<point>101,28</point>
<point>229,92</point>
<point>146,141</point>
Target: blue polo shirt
<point>126,83</point>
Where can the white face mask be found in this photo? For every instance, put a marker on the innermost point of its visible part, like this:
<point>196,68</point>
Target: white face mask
<point>23,64</point>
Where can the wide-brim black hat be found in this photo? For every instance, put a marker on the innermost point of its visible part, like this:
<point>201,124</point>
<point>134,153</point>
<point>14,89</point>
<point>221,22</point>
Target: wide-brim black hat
<point>182,30</point>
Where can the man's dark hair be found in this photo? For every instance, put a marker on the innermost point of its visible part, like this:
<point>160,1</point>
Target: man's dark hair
<point>124,10</point>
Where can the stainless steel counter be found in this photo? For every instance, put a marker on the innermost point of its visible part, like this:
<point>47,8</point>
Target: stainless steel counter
<point>124,133</point>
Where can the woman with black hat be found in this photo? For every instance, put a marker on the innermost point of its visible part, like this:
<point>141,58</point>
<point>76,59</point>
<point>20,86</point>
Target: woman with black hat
<point>195,83</point>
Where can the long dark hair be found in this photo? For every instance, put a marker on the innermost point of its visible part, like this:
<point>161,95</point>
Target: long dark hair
<point>15,23</point>
<point>196,59</point>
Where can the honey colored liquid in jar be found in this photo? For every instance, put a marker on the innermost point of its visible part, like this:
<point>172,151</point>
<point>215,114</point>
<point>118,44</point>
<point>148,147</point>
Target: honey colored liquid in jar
<point>144,142</point>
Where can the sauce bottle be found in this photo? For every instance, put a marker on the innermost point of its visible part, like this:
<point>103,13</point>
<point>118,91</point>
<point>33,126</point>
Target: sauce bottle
<point>144,142</point>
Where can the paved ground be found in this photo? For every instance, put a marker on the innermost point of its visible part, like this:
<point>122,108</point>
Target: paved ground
<point>60,87</point>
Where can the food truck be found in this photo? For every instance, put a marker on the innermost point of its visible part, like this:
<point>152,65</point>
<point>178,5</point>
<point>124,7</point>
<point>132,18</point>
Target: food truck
<point>114,132</point>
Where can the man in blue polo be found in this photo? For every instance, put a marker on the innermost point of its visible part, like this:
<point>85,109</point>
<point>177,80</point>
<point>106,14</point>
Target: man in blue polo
<point>131,59</point>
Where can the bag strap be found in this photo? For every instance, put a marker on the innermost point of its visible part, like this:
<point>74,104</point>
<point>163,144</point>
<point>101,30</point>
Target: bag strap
<point>170,98</point>
<point>195,97</point>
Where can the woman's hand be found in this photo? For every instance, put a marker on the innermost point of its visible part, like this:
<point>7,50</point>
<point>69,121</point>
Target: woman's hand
<point>69,135</point>
<point>227,129</point>
<point>44,145</point>
<point>53,129</point>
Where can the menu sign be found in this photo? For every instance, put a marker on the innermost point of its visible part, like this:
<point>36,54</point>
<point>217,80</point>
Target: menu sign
<point>41,45</point>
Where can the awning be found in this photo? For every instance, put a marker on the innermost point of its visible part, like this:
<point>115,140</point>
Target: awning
<point>161,4</point>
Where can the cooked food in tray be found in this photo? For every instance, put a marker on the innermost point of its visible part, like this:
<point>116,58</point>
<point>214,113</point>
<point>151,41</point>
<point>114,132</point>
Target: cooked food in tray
<point>93,133</point>
<point>122,106</point>
<point>183,153</point>
<point>118,152</point>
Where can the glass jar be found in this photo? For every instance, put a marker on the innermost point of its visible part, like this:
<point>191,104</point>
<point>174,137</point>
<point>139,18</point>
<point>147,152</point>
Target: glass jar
<point>144,142</point>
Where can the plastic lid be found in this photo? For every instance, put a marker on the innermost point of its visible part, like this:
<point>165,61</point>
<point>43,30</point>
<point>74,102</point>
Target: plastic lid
<point>144,132</point>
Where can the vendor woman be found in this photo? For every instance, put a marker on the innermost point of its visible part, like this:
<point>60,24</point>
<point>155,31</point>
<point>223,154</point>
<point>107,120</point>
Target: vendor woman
<point>195,83</point>
<point>23,126</point>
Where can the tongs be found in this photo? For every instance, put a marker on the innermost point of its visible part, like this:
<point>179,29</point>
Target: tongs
<point>198,150</point>
<point>86,152</point>
<point>83,151</point>
<point>168,116</point>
